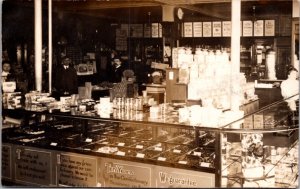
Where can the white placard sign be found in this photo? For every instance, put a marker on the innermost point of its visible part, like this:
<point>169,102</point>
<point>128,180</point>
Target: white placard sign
<point>154,30</point>
<point>259,28</point>
<point>226,26</point>
<point>217,29</point>
<point>147,30</point>
<point>159,30</point>
<point>247,28</point>
<point>269,27</point>
<point>206,29</point>
<point>188,29</point>
<point>197,29</point>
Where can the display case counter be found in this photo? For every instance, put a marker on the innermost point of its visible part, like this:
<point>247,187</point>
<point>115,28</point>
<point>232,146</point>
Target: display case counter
<point>135,149</point>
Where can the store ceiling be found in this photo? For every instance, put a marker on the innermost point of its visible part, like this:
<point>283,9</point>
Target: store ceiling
<point>143,10</point>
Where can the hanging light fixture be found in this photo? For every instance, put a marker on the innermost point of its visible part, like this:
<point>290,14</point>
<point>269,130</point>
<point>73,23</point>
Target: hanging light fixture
<point>254,14</point>
<point>149,19</point>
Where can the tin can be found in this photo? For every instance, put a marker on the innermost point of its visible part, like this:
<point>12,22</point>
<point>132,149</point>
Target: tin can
<point>139,104</point>
<point>119,103</point>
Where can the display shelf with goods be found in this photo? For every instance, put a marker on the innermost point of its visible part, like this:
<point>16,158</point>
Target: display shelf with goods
<point>83,149</point>
<point>145,50</point>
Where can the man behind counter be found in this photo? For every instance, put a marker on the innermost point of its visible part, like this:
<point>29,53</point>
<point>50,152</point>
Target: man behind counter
<point>7,74</point>
<point>65,79</point>
<point>290,87</point>
<point>116,73</point>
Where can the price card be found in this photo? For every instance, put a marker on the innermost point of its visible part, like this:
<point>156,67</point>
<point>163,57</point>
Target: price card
<point>121,144</point>
<point>197,153</point>
<point>161,159</point>
<point>119,153</point>
<point>140,155</point>
<point>88,140</point>
<point>182,162</point>
<point>177,151</point>
<point>139,146</point>
<point>204,164</point>
<point>158,149</point>
<point>53,144</point>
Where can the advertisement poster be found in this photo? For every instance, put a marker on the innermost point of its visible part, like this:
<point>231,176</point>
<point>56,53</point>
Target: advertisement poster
<point>206,29</point>
<point>188,29</point>
<point>259,28</point>
<point>247,28</point>
<point>33,166</point>
<point>197,29</point>
<point>117,173</point>
<point>147,30</point>
<point>154,30</point>
<point>167,177</point>
<point>159,30</point>
<point>226,27</point>
<point>77,170</point>
<point>217,29</point>
<point>269,27</point>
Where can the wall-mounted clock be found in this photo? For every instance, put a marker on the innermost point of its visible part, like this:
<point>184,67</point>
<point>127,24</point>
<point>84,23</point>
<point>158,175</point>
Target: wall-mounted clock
<point>179,13</point>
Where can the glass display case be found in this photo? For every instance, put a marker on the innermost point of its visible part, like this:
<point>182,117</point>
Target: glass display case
<point>262,151</point>
<point>133,149</point>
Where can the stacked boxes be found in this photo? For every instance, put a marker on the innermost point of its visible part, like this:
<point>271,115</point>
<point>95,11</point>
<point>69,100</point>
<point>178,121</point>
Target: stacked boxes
<point>263,120</point>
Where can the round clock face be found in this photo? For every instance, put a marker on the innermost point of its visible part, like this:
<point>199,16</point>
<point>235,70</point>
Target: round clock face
<point>179,13</point>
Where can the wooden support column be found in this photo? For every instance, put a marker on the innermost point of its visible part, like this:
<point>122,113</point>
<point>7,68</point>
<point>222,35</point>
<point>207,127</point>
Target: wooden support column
<point>38,44</point>
<point>50,44</point>
<point>235,53</point>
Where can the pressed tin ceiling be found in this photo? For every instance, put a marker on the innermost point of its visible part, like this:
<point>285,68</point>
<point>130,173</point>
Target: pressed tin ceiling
<point>141,10</point>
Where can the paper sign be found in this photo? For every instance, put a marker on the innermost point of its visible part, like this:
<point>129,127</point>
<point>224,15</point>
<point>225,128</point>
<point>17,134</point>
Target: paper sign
<point>197,29</point>
<point>226,26</point>
<point>188,29</point>
<point>259,28</point>
<point>269,27</point>
<point>206,29</point>
<point>217,29</point>
<point>247,28</point>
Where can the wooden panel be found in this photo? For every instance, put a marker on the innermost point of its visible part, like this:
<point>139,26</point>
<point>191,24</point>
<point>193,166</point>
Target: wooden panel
<point>267,96</point>
<point>6,170</point>
<point>174,91</point>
